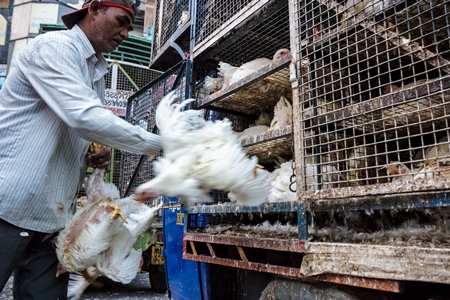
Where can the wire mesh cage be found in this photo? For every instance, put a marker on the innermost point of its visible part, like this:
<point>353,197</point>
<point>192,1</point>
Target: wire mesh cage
<point>130,77</point>
<point>373,95</point>
<point>262,80</point>
<point>268,33</point>
<point>211,15</point>
<point>260,34</point>
<point>169,16</point>
<point>137,169</point>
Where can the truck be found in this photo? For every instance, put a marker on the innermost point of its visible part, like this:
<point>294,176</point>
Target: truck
<point>359,206</point>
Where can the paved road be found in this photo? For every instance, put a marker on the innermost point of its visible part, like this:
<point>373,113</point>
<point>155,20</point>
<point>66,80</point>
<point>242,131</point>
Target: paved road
<point>138,289</point>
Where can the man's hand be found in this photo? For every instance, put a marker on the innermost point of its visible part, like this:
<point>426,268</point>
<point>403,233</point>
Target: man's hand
<point>99,160</point>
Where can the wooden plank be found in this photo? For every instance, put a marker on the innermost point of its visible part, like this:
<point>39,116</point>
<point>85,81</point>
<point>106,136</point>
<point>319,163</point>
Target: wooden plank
<point>384,262</point>
<point>249,88</point>
<point>242,254</point>
<point>261,243</point>
<point>267,145</point>
<point>267,136</point>
<point>211,250</point>
<point>369,283</point>
<point>280,270</point>
<point>193,247</point>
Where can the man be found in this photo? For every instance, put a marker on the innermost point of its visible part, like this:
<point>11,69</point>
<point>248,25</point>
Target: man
<point>50,110</point>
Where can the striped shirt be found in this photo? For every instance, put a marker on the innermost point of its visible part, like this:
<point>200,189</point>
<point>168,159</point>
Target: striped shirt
<point>50,107</point>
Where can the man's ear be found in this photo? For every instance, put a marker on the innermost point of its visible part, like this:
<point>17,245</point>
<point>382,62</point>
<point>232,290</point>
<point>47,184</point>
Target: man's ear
<point>95,6</point>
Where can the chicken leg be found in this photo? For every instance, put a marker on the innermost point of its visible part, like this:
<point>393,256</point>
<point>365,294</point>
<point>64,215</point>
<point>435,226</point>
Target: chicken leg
<point>116,212</point>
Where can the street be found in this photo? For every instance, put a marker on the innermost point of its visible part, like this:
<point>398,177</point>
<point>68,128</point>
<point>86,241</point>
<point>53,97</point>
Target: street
<point>138,289</point>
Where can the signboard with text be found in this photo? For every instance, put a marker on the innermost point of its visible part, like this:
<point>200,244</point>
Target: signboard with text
<point>116,101</point>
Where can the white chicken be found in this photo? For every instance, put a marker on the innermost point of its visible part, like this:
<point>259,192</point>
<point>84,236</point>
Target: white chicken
<point>95,243</point>
<point>263,119</point>
<point>233,74</point>
<point>440,152</point>
<point>261,126</point>
<point>399,172</point>
<point>184,17</point>
<point>352,7</point>
<point>252,131</point>
<point>360,165</point>
<point>280,182</point>
<point>226,71</point>
<point>282,114</point>
<point>212,85</point>
<point>200,155</point>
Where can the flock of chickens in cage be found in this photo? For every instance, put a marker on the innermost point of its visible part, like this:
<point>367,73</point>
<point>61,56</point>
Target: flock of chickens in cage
<point>278,186</point>
<point>231,74</point>
<point>357,165</point>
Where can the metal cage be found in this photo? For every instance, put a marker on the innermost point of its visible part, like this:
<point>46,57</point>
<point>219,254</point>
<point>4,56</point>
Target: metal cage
<point>211,15</point>
<point>169,17</point>
<point>137,169</point>
<point>373,96</point>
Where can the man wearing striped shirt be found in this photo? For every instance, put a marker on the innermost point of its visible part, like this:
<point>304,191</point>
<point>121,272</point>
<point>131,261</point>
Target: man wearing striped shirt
<point>50,110</point>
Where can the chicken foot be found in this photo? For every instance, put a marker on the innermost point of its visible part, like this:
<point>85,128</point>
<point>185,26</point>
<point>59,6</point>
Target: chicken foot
<point>116,212</point>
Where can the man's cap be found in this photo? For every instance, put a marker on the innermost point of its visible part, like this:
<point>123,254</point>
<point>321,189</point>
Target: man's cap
<point>76,16</point>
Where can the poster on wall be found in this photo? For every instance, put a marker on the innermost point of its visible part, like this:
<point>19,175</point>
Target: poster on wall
<point>3,27</point>
<point>43,13</point>
<point>116,101</point>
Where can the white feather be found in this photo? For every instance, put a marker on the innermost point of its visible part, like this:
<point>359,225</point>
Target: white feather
<point>78,284</point>
<point>252,131</point>
<point>263,119</point>
<point>95,243</point>
<point>280,184</point>
<point>200,155</point>
<point>251,67</point>
<point>282,114</point>
<point>213,84</point>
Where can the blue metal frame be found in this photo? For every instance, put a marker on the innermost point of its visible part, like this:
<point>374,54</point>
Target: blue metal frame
<point>187,279</point>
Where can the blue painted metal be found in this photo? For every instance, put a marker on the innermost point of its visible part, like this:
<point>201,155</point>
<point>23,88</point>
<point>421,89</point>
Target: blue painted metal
<point>186,278</point>
<point>302,222</point>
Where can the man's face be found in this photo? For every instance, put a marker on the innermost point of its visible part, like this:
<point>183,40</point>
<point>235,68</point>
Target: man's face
<point>111,27</point>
